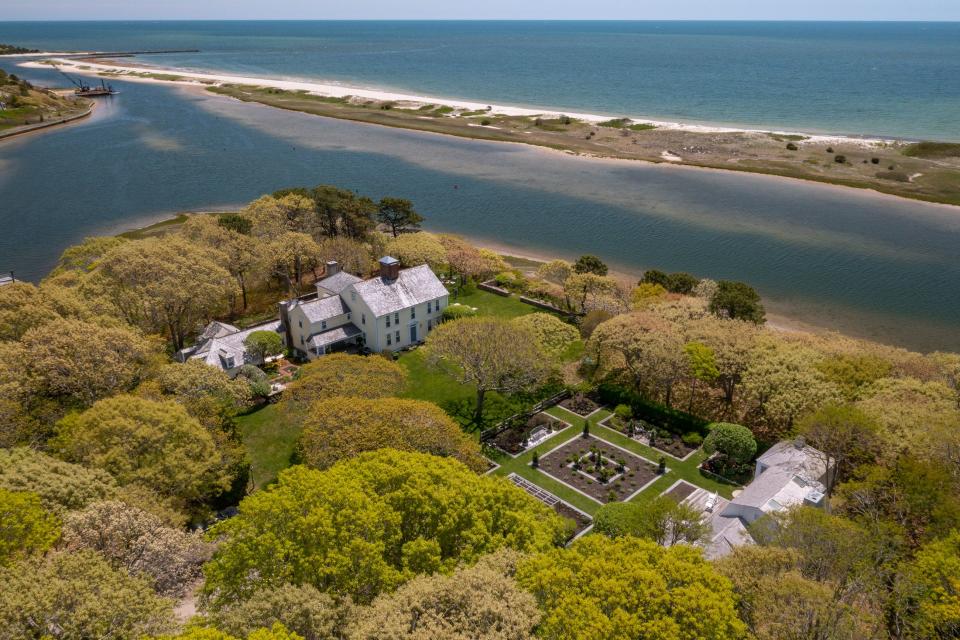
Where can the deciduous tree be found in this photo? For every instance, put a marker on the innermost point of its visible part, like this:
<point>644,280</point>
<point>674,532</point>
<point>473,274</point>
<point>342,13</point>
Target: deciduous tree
<point>75,362</point>
<point>661,520</point>
<point>629,588</point>
<point>156,445</point>
<point>341,374</point>
<point>846,438</point>
<point>488,353</point>
<point>65,596</point>
<point>303,610</point>
<point>553,335</point>
<point>61,486</point>
<point>138,542</point>
<point>22,307</point>
<point>926,601</point>
<point>360,527</point>
<point>26,528</point>
<point>477,603</point>
<point>164,285</point>
<point>263,344</point>
<point>413,249</point>
<point>339,428</point>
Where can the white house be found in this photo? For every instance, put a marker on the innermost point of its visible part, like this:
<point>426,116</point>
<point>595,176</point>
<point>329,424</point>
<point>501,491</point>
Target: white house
<point>390,311</point>
<point>789,474</point>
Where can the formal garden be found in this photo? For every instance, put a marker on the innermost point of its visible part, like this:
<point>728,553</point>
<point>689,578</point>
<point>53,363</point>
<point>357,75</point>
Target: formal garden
<point>598,469</point>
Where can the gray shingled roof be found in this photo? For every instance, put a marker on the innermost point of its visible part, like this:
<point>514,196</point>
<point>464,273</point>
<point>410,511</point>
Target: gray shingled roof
<point>765,486</point>
<point>413,286</point>
<point>214,350</point>
<point>804,461</point>
<point>334,335</point>
<point>338,282</point>
<point>324,308</point>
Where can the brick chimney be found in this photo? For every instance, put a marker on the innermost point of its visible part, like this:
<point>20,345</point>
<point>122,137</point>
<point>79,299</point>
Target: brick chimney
<point>389,268</point>
<point>332,268</point>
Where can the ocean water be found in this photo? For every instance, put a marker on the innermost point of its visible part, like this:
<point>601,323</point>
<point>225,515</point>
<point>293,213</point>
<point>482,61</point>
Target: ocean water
<point>870,265</point>
<point>889,79</point>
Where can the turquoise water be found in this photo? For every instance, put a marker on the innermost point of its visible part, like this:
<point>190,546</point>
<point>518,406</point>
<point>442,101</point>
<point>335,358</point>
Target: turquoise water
<point>891,79</point>
<point>870,265</point>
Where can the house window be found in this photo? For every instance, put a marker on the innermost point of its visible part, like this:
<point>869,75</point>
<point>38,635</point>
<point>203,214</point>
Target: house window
<point>388,320</point>
<point>413,312</point>
<point>398,337</point>
<point>363,318</point>
<point>300,323</point>
<point>429,306</point>
<point>396,318</point>
<point>348,317</point>
<point>353,296</point>
<point>301,339</point>
<point>388,340</point>
<point>323,324</point>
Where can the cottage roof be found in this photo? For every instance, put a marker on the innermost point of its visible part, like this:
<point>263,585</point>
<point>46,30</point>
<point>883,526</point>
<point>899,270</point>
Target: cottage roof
<point>412,286</point>
<point>795,457</point>
<point>324,308</point>
<point>338,282</point>
<point>219,350</point>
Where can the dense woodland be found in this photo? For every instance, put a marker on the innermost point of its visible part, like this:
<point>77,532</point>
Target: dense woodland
<point>119,467</point>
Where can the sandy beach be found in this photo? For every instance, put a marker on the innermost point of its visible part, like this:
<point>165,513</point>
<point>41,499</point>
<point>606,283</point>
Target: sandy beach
<point>90,67</point>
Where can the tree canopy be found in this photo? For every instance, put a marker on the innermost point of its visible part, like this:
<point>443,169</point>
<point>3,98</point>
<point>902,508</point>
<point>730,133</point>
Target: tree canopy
<point>26,528</point>
<point>551,334</point>
<point>341,374</point>
<point>399,215</point>
<point>482,602</point>
<point>156,445</point>
<point>338,428</point>
<point>738,301</point>
<point>360,528</point>
<point>489,353</point>
<point>65,596</point>
<point>60,485</point>
<point>629,588</point>
<point>661,520</point>
<point>732,440</point>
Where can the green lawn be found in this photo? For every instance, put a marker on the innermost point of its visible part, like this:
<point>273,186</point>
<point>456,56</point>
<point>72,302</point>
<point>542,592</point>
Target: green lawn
<point>269,439</point>
<point>490,304</point>
<point>676,470</point>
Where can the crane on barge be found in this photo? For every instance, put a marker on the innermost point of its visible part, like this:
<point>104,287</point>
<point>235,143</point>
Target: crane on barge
<point>85,90</point>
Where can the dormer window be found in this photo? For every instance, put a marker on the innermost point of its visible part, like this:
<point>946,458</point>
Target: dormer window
<point>323,324</point>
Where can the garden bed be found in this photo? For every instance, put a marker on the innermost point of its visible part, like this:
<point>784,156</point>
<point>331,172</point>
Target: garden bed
<point>580,404</point>
<point>680,491</point>
<point>663,441</point>
<point>618,474</point>
<point>527,433</point>
<point>582,521</point>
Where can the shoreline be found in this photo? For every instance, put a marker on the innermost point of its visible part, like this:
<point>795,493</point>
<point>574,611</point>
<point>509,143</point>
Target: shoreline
<point>333,90</point>
<point>860,163</point>
<point>163,223</point>
<point>43,126</point>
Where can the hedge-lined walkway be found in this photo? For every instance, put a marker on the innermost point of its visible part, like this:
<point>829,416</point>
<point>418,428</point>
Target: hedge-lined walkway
<point>676,469</point>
